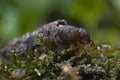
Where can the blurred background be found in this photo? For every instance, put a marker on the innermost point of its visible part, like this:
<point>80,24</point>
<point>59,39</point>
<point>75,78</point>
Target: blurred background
<point>100,17</point>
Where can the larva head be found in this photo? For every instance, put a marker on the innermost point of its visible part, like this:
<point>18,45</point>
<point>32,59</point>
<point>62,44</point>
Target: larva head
<point>84,36</point>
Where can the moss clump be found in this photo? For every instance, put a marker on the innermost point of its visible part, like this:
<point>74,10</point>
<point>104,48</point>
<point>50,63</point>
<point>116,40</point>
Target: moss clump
<point>90,63</point>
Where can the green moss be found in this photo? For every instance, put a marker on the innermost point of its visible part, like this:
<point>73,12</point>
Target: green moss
<point>64,64</point>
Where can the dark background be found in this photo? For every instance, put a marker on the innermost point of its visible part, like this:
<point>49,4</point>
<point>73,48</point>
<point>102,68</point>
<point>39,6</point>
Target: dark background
<point>100,17</point>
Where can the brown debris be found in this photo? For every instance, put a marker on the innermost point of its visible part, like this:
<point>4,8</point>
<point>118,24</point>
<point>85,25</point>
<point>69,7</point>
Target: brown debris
<point>67,69</point>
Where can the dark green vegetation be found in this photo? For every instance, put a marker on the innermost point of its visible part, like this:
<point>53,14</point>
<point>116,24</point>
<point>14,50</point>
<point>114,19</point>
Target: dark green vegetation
<point>91,63</point>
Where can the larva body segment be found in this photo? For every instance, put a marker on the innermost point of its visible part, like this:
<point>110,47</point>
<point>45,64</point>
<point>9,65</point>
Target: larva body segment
<point>56,33</point>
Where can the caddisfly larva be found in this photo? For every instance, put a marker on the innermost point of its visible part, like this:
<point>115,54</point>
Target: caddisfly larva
<point>57,34</point>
